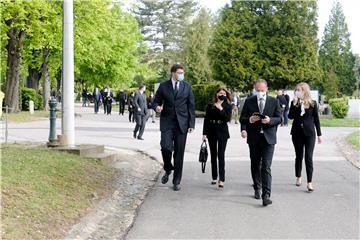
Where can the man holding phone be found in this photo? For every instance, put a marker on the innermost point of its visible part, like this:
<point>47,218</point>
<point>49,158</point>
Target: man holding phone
<point>259,119</point>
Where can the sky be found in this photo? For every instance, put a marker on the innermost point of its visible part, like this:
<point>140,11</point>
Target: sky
<point>350,8</point>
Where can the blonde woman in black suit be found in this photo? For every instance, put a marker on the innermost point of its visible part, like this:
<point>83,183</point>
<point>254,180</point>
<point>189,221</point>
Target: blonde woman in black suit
<point>304,111</point>
<point>216,131</point>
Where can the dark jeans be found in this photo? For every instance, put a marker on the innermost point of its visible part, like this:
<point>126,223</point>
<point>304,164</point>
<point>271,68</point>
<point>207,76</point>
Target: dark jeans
<point>286,118</point>
<point>173,140</point>
<point>121,106</point>
<point>108,108</point>
<point>96,106</point>
<point>300,143</point>
<point>217,152</point>
<point>261,155</point>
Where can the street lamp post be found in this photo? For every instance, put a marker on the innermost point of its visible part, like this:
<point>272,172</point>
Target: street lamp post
<point>68,119</point>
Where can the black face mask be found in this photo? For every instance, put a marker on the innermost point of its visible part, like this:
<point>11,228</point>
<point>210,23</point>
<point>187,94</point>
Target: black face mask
<point>222,98</point>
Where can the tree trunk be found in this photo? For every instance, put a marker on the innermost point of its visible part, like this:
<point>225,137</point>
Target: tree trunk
<point>33,79</point>
<point>45,73</point>
<point>13,69</point>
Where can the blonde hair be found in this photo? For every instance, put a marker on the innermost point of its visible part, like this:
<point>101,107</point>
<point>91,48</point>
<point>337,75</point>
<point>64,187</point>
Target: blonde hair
<point>307,96</point>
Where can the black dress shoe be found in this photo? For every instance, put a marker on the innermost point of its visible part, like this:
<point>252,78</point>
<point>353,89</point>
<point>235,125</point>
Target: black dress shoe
<point>266,201</point>
<point>176,187</point>
<point>165,178</point>
<point>257,194</point>
<point>140,138</point>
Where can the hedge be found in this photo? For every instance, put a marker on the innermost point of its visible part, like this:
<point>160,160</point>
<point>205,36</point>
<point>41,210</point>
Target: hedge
<point>339,107</point>
<point>204,93</point>
<point>28,94</point>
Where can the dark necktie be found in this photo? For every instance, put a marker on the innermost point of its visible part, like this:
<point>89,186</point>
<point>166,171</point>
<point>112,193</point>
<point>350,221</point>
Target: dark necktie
<point>176,87</point>
<point>261,105</point>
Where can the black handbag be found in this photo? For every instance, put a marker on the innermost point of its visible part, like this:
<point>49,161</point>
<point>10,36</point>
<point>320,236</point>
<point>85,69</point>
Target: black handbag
<point>203,155</point>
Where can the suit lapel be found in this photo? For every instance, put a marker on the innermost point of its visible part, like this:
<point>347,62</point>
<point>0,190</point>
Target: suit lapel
<point>256,104</point>
<point>267,102</point>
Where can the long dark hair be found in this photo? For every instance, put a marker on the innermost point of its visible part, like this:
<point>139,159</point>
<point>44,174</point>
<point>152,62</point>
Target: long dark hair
<point>228,95</point>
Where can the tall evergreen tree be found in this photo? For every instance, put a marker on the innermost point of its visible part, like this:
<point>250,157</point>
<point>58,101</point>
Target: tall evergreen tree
<point>195,49</point>
<point>335,52</point>
<point>163,25</point>
<point>275,40</point>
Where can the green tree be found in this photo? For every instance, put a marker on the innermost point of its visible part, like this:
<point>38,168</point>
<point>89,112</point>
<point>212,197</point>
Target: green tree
<point>163,25</point>
<point>274,40</point>
<point>335,52</point>
<point>17,20</point>
<point>195,49</point>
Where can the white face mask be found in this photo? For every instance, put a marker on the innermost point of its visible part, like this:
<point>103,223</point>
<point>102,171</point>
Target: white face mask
<point>261,94</point>
<point>299,94</point>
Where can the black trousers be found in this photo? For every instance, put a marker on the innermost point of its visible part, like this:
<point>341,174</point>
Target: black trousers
<point>300,143</point>
<point>261,155</point>
<point>173,141</point>
<point>108,108</point>
<point>131,116</point>
<point>140,124</point>
<point>121,106</point>
<point>217,152</point>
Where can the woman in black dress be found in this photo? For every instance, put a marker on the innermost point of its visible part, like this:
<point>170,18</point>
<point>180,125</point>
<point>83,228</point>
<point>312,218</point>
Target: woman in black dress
<point>215,130</point>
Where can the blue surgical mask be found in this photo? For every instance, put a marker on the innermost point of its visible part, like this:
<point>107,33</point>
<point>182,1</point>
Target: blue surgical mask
<point>261,94</point>
<point>180,77</point>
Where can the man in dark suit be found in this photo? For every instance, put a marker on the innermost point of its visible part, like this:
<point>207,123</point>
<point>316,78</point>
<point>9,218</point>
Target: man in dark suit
<point>174,99</point>
<point>122,101</point>
<point>259,119</point>
<point>140,112</point>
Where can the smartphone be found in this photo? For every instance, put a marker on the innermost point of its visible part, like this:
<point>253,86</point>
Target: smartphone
<point>260,115</point>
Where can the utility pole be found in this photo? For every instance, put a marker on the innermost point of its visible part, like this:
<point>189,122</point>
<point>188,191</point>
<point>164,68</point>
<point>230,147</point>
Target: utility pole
<point>68,118</point>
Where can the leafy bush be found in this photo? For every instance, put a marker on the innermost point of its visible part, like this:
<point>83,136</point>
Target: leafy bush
<point>204,93</point>
<point>339,107</point>
<point>28,94</point>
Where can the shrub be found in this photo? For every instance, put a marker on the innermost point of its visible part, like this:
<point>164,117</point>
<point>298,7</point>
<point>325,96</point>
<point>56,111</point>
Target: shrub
<point>339,107</point>
<point>204,93</point>
<point>28,94</point>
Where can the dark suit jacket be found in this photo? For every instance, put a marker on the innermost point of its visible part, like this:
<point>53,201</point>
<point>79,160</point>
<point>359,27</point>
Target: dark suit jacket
<point>140,102</point>
<point>271,109</point>
<point>177,110</point>
<point>306,123</point>
<point>220,129</point>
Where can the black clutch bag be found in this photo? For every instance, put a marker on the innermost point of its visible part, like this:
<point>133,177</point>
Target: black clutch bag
<point>203,155</point>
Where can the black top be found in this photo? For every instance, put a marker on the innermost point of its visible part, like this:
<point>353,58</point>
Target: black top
<point>307,123</point>
<point>178,107</point>
<point>215,121</point>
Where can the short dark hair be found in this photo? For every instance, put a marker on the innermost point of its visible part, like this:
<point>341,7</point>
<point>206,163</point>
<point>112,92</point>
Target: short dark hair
<point>141,86</point>
<point>175,67</point>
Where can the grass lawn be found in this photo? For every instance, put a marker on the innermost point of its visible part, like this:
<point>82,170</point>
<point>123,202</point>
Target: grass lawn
<point>354,139</point>
<point>26,116</point>
<point>44,192</point>
<point>340,122</point>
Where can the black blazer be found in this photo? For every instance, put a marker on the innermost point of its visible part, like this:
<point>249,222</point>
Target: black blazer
<point>307,123</point>
<point>177,110</point>
<point>140,102</point>
<point>271,109</point>
<point>219,129</point>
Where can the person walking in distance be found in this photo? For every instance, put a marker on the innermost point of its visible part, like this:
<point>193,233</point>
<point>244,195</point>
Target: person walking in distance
<point>122,101</point>
<point>97,100</point>
<point>216,131</point>
<point>305,113</point>
<point>131,107</point>
<point>140,112</point>
<point>259,119</point>
<point>174,99</point>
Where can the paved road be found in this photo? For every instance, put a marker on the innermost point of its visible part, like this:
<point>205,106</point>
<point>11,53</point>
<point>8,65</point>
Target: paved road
<point>200,210</point>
